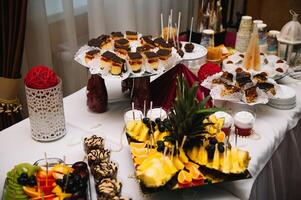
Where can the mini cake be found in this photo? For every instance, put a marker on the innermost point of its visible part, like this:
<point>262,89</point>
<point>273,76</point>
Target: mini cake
<point>228,121</point>
<point>104,170</point>
<point>96,156</point>
<point>131,35</point>
<point>135,61</point>
<point>189,47</point>
<point>251,94</point>
<point>158,41</point>
<point>121,198</point>
<point>244,122</point>
<point>108,188</point>
<point>143,48</point>
<point>155,113</point>
<point>93,142</point>
<point>163,54</point>
<point>166,46</point>
<point>117,65</point>
<point>117,35</point>
<point>147,40</point>
<point>227,77</point>
<point>90,55</point>
<point>105,41</point>
<point>261,77</point>
<point>229,89</point>
<point>106,59</point>
<point>94,42</point>
<point>123,50</point>
<point>152,59</point>
<point>267,87</point>
<point>122,42</point>
<point>129,115</point>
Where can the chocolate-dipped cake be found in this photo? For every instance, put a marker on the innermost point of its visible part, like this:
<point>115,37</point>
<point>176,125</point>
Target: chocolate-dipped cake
<point>251,94</point>
<point>131,35</point>
<point>158,41</point>
<point>91,54</point>
<point>180,52</point>
<point>163,54</point>
<point>117,35</point>
<point>96,156</point>
<point>108,188</point>
<point>104,170</point>
<point>93,142</point>
<point>189,47</point>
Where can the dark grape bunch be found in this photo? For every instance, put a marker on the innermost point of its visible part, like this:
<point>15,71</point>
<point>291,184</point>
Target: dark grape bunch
<point>24,180</point>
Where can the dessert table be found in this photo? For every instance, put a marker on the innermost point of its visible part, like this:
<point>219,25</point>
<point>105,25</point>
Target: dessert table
<point>272,128</point>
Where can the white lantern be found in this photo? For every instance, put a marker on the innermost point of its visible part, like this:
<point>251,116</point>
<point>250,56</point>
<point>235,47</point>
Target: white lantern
<point>290,38</point>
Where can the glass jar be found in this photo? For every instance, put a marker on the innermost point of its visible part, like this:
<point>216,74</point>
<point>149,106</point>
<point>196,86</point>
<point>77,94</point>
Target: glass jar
<point>272,42</point>
<point>207,38</point>
<point>262,36</point>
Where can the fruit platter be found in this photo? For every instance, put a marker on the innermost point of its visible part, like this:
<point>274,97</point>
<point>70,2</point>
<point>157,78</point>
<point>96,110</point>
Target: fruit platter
<point>185,147</point>
<point>131,54</point>
<point>48,180</point>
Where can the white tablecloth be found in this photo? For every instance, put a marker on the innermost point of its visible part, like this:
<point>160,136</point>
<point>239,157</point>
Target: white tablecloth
<point>17,146</point>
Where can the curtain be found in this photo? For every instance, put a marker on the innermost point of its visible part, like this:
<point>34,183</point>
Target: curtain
<point>53,39</point>
<point>12,31</point>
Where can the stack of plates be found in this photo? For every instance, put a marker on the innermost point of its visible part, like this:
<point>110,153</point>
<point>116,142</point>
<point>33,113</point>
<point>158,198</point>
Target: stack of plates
<point>286,98</point>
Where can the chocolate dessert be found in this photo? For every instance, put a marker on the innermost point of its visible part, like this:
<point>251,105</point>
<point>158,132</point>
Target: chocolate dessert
<point>163,54</point>
<point>143,48</point>
<point>117,35</point>
<point>148,40</point>
<point>96,156</point>
<point>93,142</point>
<point>104,170</point>
<point>189,47</point>
<point>251,94</point>
<point>94,42</point>
<point>261,77</point>
<point>91,54</point>
<point>180,52</point>
<point>158,41</point>
<point>226,76</point>
<point>108,189</point>
<point>122,42</point>
<point>267,87</point>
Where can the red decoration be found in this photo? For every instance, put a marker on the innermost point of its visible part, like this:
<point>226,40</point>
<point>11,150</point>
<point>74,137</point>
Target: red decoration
<point>41,77</point>
<point>208,69</point>
<point>97,96</point>
<point>163,89</point>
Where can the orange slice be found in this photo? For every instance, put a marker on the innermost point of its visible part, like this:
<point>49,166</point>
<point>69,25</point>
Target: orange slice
<point>184,177</point>
<point>31,191</point>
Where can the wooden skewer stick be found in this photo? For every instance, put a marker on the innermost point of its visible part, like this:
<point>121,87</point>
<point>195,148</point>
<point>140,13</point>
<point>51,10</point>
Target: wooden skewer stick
<point>144,108</point>
<point>183,141</point>
<point>168,27</point>
<point>133,107</point>
<point>177,147</point>
<point>46,168</point>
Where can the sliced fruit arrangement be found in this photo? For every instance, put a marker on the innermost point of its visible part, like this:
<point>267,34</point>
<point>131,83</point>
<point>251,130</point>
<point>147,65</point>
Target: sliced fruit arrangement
<point>145,130</point>
<point>27,181</point>
<point>188,148</point>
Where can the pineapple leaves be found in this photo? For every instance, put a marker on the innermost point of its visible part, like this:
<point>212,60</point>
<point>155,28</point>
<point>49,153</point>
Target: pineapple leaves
<point>187,115</point>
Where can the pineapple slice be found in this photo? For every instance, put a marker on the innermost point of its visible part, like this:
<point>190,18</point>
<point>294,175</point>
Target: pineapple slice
<point>143,136</point>
<point>130,125</point>
<point>216,159</point>
<point>183,156</point>
<point>203,156</point>
<point>137,129</point>
<point>194,153</point>
<point>178,163</point>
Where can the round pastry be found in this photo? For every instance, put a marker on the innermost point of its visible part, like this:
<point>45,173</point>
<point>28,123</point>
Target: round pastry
<point>189,47</point>
<point>93,142</point>
<point>96,156</point>
<point>244,122</point>
<point>104,170</point>
<point>108,188</point>
<point>180,52</point>
<point>228,121</point>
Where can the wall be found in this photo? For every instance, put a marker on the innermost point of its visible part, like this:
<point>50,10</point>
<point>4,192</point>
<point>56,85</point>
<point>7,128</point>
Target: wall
<point>275,13</point>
